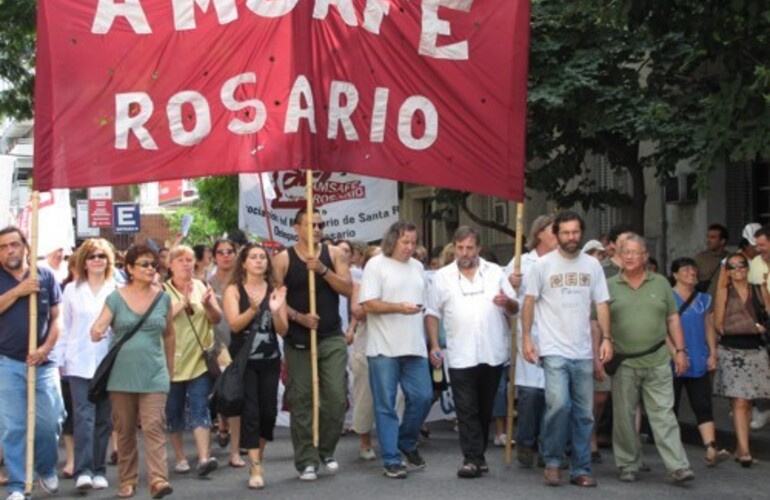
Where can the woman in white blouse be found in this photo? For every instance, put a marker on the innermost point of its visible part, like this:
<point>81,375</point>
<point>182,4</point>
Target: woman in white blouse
<point>83,300</point>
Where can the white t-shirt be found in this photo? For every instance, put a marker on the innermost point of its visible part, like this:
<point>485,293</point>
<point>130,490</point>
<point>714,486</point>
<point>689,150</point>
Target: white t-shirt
<point>477,330</point>
<point>394,281</point>
<point>564,290</point>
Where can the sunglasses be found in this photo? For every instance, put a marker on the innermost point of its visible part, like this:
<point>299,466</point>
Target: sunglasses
<point>319,225</point>
<point>225,251</point>
<point>146,263</point>
<point>95,256</point>
<point>740,265</point>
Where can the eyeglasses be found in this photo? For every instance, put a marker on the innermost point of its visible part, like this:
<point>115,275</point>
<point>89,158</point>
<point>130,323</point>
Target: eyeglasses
<point>469,293</point>
<point>225,251</point>
<point>319,225</point>
<point>14,245</point>
<point>733,267</point>
<point>146,263</point>
<point>95,256</point>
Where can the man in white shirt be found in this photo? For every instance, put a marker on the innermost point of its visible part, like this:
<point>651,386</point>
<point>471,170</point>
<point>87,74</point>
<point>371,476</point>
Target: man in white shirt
<point>392,295</point>
<point>560,290</point>
<point>530,380</point>
<point>474,299</point>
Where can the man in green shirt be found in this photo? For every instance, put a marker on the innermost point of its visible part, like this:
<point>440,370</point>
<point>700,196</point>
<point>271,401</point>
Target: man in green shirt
<point>644,314</point>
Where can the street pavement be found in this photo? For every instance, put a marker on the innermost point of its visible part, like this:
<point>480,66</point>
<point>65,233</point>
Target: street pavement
<point>364,480</point>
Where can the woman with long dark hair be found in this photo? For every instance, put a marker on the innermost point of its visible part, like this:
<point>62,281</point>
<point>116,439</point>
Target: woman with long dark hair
<point>743,370</point>
<point>256,310</point>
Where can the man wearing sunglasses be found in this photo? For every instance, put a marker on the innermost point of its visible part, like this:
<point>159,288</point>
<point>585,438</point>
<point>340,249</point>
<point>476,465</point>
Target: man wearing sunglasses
<point>474,299</point>
<point>332,279</point>
<point>15,288</point>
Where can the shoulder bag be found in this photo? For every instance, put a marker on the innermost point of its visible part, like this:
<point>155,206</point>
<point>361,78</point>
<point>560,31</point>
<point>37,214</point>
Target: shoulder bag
<point>97,387</point>
<point>210,355</point>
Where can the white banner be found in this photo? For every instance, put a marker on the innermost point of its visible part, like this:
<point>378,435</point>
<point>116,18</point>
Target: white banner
<point>54,219</point>
<point>81,220</point>
<point>353,207</point>
<point>7,166</point>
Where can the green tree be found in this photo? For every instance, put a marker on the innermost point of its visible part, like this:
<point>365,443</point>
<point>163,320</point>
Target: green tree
<point>218,202</point>
<point>204,229</point>
<point>689,78</point>
<point>17,57</point>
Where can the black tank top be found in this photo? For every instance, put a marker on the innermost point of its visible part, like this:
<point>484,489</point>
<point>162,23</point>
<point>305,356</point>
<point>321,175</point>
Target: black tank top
<point>265,344</point>
<point>298,298</point>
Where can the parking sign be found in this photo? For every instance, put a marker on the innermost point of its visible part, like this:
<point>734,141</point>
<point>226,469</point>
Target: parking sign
<point>125,217</point>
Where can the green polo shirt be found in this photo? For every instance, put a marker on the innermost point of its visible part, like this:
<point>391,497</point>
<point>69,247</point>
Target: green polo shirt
<point>639,316</point>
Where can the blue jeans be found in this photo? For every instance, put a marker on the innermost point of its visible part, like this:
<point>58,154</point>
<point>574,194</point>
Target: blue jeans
<point>92,429</point>
<point>49,415</point>
<point>569,400</point>
<point>530,416</point>
<point>194,394</point>
<point>385,374</point>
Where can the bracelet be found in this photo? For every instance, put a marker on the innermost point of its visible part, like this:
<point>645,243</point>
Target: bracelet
<point>683,349</point>
<point>607,338</point>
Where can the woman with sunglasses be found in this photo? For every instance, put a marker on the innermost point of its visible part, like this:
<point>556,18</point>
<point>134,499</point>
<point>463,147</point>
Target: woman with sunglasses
<point>140,378</point>
<point>224,260</point>
<point>743,371</point>
<point>83,300</point>
<point>255,309</point>
<point>195,311</point>
<point>700,342</point>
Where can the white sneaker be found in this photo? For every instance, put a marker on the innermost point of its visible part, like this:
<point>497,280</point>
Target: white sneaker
<point>49,484</point>
<point>182,467</point>
<point>100,483</point>
<point>308,474</point>
<point>16,495</point>
<point>500,440</point>
<point>759,419</point>
<point>367,454</point>
<point>83,483</point>
<point>331,465</point>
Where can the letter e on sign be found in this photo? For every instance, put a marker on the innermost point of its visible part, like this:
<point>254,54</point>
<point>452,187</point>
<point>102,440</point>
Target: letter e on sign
<point>126,217</point>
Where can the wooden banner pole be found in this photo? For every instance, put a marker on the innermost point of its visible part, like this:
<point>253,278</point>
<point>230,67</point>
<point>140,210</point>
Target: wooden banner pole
<point>514,329</point>
<point>311,287</point>
<point>32,370</point>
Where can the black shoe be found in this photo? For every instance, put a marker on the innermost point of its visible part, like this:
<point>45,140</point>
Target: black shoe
<point>469,471</point>
<point>525,456</point>
<point>484,468</point>
<point>414,458</point>
<point>395,471</point>
<point>223,439</point>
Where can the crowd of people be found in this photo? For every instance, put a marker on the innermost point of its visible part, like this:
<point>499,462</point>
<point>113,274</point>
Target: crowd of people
<point>606,345</point>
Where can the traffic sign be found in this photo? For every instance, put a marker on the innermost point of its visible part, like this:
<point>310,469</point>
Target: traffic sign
<point>126,217</point>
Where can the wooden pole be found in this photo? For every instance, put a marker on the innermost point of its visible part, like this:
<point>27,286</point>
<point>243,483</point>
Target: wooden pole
<point>514,328</point>
<point>32,370</point>
<point>311,286</point>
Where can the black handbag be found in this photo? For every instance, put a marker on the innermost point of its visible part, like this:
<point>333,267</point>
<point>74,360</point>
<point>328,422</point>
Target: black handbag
<point>228,390</point>
<point>97,386</point>
<point>617,359</point>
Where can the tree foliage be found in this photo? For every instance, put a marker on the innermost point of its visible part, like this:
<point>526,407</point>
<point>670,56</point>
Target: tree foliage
<point>17,57</point>
<point>218,202</point>
<point>204,229</point>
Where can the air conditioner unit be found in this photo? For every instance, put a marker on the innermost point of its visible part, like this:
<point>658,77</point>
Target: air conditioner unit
<point>681,189</point>
<point>500,213</point>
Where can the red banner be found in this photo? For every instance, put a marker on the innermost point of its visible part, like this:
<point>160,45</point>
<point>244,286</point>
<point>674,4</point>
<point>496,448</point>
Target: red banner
<point>430,92</point>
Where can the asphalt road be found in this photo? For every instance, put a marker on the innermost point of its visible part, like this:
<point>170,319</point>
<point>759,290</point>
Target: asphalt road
<point>364,480</point>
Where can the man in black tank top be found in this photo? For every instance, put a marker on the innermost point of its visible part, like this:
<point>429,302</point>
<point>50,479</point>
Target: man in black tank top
<point>332,280</point>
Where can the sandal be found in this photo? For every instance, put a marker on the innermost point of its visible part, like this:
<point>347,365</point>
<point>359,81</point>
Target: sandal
<point>746,460</point>
<point>714,455</point>
<point>236,462</point>
<point>256,479</point>
<point>468,470</point>
<point>126,491</point>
